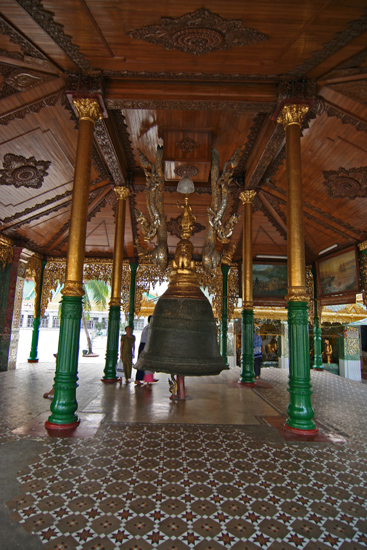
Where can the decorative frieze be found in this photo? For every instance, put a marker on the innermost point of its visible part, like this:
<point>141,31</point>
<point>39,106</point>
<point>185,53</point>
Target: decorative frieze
<point>45,20</point>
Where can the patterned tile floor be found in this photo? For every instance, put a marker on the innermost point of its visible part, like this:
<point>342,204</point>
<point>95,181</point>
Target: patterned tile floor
<point>171,484</point>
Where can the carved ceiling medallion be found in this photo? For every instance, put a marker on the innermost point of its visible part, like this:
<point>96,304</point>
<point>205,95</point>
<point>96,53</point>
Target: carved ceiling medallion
<point>346,183</point>
<point>186,171</point>
<point>22,172</point>
<point>23,80</point>
<point>187,144</point>
<point>198,33</point>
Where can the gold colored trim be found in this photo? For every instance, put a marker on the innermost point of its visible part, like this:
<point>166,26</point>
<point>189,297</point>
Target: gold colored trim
<point>122,192</point>
<point>247,196</point>
<point>297,294</point>
<point>362,246</point>
<point>115,302</point>
<point>73,288</point>
<point>292,113</point>
<point>87,109</point>
<point>349,314</point>
<point>6,251</point>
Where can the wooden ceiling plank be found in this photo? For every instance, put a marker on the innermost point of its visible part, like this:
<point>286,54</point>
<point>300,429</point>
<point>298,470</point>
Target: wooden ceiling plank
<point>91,207</point>
<point>325,219</point>
<point>272,212</point>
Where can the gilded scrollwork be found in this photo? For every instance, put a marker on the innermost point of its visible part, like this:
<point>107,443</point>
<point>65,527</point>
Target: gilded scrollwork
<point>53,275</point>
<point>99,269</point>
<point>6,251</point>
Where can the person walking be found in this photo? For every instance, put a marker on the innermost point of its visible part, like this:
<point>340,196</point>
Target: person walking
<point>258,352</point>
<point>143,340</point>
<point>127,352</point>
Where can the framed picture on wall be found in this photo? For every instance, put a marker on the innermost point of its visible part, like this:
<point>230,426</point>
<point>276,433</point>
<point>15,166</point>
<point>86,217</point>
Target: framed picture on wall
<point>338,277</point>
<point>270,283</point>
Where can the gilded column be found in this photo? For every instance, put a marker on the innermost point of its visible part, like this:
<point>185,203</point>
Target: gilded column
<point>133,269</point>
<point>363,269</point>
<point>113,331</point>
<point>247,340</point>
<point>64,404</point>
<point>33,355</point>
<point>224,324</point>
<point>300,411</point>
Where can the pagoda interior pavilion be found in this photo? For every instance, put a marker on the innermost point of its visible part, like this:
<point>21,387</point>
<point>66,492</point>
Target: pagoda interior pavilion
<point>217,145</point>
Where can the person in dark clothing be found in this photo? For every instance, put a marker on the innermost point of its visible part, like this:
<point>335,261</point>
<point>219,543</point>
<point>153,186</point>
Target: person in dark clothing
<point>258,352</point>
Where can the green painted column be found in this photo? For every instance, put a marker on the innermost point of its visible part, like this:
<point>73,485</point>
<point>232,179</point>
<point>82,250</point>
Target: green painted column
<point>224,325</point>
<point>113,330</point>
<point>64,404</point>
<point>33,355</point>
<point>300,413</point>
<point>133,269</point>
<point>247,347</point>
<point>112,347</point>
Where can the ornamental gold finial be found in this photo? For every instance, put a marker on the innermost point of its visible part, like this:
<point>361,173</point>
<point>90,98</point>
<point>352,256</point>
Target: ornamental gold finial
<point>187,220</point>
<point>247,196</point>
<point>87,109</point>
<point>292,113</point>
<point>122,192</point>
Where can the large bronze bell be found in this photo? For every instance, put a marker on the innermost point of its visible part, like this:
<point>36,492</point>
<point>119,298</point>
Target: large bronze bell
<point>182,336</point>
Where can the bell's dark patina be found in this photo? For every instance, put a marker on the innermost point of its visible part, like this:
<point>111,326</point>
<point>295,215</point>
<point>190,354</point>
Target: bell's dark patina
<point>182,337</point>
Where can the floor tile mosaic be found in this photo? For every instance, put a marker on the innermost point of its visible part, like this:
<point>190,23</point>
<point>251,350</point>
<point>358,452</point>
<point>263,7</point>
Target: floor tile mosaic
<point>140,485</point>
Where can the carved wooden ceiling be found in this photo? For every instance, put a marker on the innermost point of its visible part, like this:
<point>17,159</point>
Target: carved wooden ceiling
<point>198,79</point>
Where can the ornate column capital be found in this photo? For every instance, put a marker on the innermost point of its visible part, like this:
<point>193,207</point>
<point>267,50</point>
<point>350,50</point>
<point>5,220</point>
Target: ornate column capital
<point>122,192</point>
<point>87,108</point>
<point>247,196</point>
<point>362,246</point>
<point>292,113</point>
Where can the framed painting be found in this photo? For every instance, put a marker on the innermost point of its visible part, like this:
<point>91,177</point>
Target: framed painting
<point>270,282</point>
<point>338,277</point>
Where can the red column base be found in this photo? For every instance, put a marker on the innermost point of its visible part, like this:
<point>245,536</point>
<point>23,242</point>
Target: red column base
<point>246,384</point>
<point>297,431</point>
<point>32,360</point>
<point>318,368</point>
<point>109,380</point>
<point>61,427</point>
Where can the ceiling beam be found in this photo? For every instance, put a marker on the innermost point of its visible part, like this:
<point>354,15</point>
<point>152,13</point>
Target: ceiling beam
<point>91,207</point>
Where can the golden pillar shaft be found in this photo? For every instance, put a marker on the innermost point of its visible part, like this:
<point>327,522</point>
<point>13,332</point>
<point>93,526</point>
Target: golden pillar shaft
<point>247,198</point>
<point>247,290</point>
<point>118,254</point>
<point>295,236</point>
<point>88,111</point>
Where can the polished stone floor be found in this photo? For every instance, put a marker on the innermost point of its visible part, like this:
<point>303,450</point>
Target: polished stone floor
<point>216,471</point>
